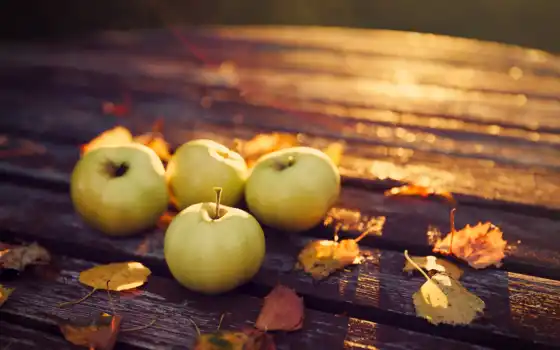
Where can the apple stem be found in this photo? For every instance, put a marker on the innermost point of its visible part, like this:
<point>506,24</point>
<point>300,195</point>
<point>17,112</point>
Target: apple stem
<point>218,191</point>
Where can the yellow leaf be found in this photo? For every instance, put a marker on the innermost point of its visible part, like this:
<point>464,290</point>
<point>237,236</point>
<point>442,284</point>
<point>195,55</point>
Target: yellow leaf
<point>444,300</point>
<point>334,151</point>
<point>5,294</point>
<point>19,257</point>
<point>322,258</point>
<point>431,263</point>
<point>118,135</point>
<point>263,144</point>
<point>121,276</point>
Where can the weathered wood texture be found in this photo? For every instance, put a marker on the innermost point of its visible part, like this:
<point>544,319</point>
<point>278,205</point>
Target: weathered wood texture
<point>376,290</point>
<point>533,239</point>
<point>478,119</point>
<point>16,337</point>
<point>35,302</point>
<point>413,119</point>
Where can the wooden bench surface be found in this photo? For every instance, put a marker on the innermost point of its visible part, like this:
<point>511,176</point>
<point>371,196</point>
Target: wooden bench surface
<point>481,120</point>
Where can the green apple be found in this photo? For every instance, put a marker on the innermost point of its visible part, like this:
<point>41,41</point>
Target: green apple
<point>212,248</point>
<point>119,190</point>
<point>292,189</point>
<point>200,165</point>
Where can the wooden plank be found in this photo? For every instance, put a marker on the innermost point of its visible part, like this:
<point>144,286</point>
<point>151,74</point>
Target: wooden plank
<point>370,44</point>
<point>376,291</point>
<point>176,308</point>
<point>534,247</point>
<point>471,176</point>
<point>15,337</point>
<point>269,85</point>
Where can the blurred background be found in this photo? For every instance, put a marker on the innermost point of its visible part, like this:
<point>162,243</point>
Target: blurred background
<point>530,23</point>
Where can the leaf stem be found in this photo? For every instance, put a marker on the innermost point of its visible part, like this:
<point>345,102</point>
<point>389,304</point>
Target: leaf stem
<point>77,301</point>
<point>139,328</point>
<point>452,220</point>
<point>218,191</point>
<point>416,265</point>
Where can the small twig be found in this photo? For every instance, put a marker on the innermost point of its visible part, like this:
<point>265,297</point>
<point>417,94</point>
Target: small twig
<point>220,323</point>
<point>77,301</point>
<point>139,328</point>
<point>195,326</point>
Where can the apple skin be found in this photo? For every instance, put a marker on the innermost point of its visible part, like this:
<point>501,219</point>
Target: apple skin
<point>121,205</point>
<point>296,197</point>
<point>213,256</point>
<point>199,165</point>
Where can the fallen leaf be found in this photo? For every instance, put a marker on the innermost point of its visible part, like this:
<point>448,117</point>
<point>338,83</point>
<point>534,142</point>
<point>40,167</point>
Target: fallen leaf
<point>322,258</point>
<point>334,151</point>
<point>156,141</point>
<point>5,294</point>
<point>352,220</point>
<point>282,311</point>
<point>434,265</point>
<point>116,136</point>
<point>19,257</point>
<point>480,246</point>
<point>422,191</point>
<point>249,339</point>
<point>116,276</point>
<point>99,333</point>
<point>263,144</point>
<point>441,299</point>
<point>165,219</point>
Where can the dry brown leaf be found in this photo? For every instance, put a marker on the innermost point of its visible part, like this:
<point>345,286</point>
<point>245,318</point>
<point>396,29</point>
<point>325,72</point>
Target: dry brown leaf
<point>334,151</point>
<point>434,265</point>
<point>116,276</point>
<point>19,257</point>
<point>422,191</point>
<point>116,136</point>
<point>5,294</point>
<point>282,311</point>
<point>99,333</point>
<point>263,144</point>
<point>442,299</point>
<point>322,258</point>
<point>248,339</point>
<point>480,246</point>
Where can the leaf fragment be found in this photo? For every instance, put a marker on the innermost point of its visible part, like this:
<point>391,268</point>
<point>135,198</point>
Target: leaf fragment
<point>263,144</point>
<point>248,339</point>
<point>282,311</point>
<point>5,294</point>
<point>155,140</point>
<point>99,333</point>
<point>116,276</point>
<point>334,151</point>
<point>422,191</point>
<point>480,246</point>
<point>322,258</point>
<point>442,299</point>
<point>19,257</point>
<point>119,135</point>
<point>434,265</point>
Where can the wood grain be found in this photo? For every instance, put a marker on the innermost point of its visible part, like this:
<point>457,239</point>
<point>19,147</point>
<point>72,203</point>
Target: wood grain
<point>175,308</point>
<point>375,291</point>
<point>15,337</point>
<point>534,247</point>
<point>487,178</point>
